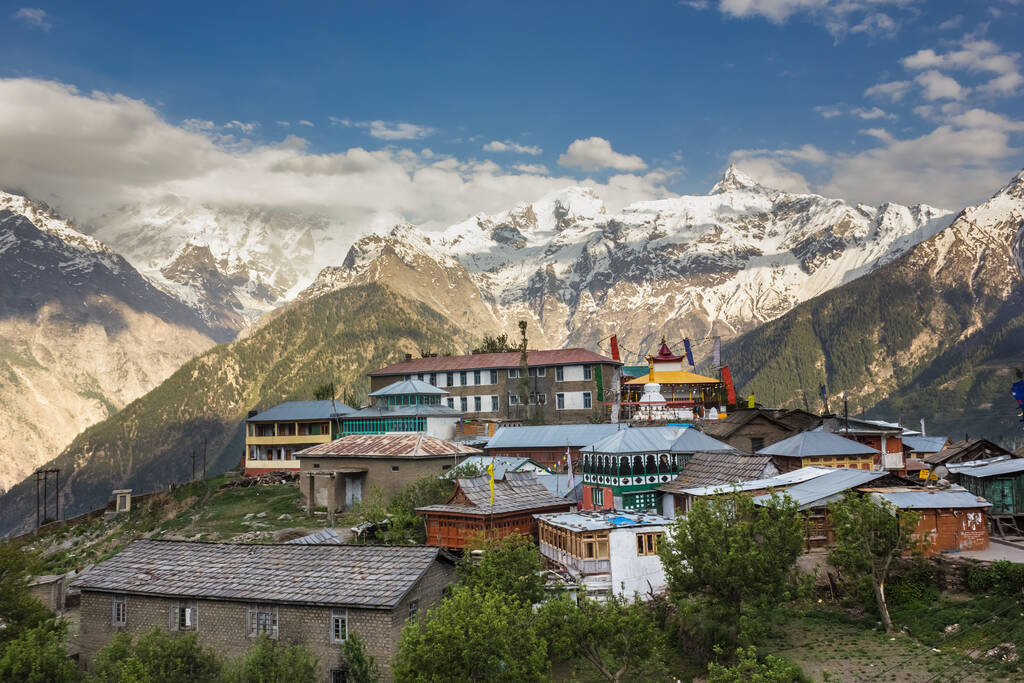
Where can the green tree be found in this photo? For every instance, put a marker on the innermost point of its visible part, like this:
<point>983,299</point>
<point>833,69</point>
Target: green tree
<point>729,562</point>
<point>270,661</point>
<point>324,392</point>
<point>361,666</point>
<point>618,640</point>
<point>473,635</point>
<point>156,656</point>
<point>870,535</point>
<point>499,344</point>
<point>510,566</point>
<point>19,609</point>
<point>747,669</point>
<point>39,655</point>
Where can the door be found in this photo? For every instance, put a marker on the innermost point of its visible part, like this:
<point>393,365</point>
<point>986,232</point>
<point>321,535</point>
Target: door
<point>353,490</point>
<point>320,492</point>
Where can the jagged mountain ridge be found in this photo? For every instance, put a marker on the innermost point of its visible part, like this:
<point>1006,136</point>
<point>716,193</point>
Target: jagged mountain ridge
<point>722,263</point>
<point>82,334</point>
<point>936,333</point>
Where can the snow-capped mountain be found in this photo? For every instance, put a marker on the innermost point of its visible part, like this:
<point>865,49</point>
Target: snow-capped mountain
<point>721,263</point>
<point>82,333</point>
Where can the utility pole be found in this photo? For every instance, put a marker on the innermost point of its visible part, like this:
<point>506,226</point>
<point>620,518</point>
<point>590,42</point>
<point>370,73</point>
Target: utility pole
<point>193,465</point>
<point>204,458</point>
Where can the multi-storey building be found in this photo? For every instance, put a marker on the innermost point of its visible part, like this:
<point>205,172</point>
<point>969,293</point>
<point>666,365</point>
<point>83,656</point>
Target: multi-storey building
<point>566,385</point>
<point>405,405</point>
<point>273,437</point>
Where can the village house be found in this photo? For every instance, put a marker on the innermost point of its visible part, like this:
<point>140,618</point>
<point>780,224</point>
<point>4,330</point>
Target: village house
<point>566,385</point>
<point>547,444</point>
<point>624,470</point>
<point>820,448</point>
<point>885,437</point>
<point>686,498</point>
<point>916,448</point>
<point>470,516</point>
<point>952,519</point>
<point>338,474</point>
<point>274,436</point>
<point>709,469</point>
<point>607,552</point>
<point>751,429</point>
<point>228,594</point>
<point>966,451</point>
<point>405,406</point>
<point>999,481</point>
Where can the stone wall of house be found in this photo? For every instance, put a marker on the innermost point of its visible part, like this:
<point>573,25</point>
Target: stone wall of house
<point>379,472</point>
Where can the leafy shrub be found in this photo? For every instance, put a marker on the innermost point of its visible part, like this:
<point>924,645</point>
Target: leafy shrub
<point>916,584</point>
<point>1003,577</point>
<point>748,669</point>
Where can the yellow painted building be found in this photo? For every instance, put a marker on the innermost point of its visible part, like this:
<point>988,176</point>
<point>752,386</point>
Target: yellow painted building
<point>820,449</point>
<point>274,436</point>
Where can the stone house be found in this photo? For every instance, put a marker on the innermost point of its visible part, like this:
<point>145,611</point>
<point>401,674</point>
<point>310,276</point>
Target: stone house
<point>751,429</point>
<point>228,594</point>
<point>710,469</point>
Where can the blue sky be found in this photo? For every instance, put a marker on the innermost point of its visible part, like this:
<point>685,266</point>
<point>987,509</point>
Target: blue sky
<point>865,99</point>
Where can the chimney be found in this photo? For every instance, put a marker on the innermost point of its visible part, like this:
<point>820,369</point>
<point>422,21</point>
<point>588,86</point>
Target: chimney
<point>408,356</point>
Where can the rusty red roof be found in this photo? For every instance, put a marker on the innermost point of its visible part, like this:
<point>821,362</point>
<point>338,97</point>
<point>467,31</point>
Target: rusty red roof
<point>481,361</point>
<point>665,353</point>
<point>387,445</point>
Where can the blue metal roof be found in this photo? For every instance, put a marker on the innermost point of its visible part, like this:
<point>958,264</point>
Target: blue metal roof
<point>932,498</point>
<point>779,481</point>
<point>989,468</point>
<point>694,441</point>
<point>409,386</point>
<point>551,436</point>
<point>925,444</point>
<point>302,410</point>
<point>812,444</point>
<point>828,487</point>
<point>371,412</point>
<point>637,440</point>
<point>503,464</point>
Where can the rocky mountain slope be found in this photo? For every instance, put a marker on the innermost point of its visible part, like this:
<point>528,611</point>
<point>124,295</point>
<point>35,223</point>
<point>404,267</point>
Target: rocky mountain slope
<point>148,444</point>
<point>936,333</point>
<point>81,334</point>
<point>720,264</point>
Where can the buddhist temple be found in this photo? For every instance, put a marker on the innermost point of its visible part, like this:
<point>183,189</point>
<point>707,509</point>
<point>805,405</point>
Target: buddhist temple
<point>679,389</point>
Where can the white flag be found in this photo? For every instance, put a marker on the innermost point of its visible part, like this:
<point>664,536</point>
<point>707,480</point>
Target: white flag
<point>718,352</point>
<point>568,459</point>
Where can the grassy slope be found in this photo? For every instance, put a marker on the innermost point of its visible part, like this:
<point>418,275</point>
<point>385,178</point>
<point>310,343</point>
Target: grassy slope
<point>146,446</point>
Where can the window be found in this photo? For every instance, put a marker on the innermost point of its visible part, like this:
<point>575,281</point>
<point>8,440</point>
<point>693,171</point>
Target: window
<point>119,610</point>
<point>476,377</point>
<point>587,402</point>
<point>494,376</point>
<point>478,403</point>
<point>538,372</point>
<point>494,404</point>
<point>433,378</point>
<point>183,616</point>
<point>756,443</point>
<point>513,399</point>
<point>414,607</point>
<point>588,550</point>
<point>560,401</point>
<point>339,625</point>
<point>538,399</point>
<point>513,373</point>
<point>464,402</point>
<point>451,402</point>
<point>597,496</point>
<point>462,378</point>
<point>339,676</point>
<point>420,377</point>
<point>262,619</point>
<point>394,468</point>
<point>647,544</point>
<point>559,374</point>
<point>588,372</point>
<point>449,379</point>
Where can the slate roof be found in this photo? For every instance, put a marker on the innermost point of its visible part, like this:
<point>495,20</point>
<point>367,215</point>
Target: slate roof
<point>708,469</point>
<point>974,449</point>
<point>917,498</point>
<point>727,426</point>
<point>412,445</point>
<point>302,410</point>
<point>813,444</point>
<point>840,425</point>
<point>924,444</point>
<point>518,491</point>
<point>551,436</point>
<point>828,487</point>
<point>479,361</point>
<point>409,386</point>
<point>779,481</point>
<point>374,577</point>
<point>989,468</point>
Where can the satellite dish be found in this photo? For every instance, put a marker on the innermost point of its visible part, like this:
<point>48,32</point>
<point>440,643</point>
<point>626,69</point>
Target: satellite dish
<point>941,472</point>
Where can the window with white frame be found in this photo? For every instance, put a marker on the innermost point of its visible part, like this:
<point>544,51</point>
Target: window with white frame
<point>513,398</point>
<point>433,378</point>
<point>513,373</point>
<point>463,381</point>
<point>451,402</point>
<point>538,372</point>
<point>184,616</point>
<point>494,376</point>
<point>587,401</point>
<point>339,625</point>
<point>476,377</point>
<point>588,372</point>
<point>597,496</point>
<point>262,619</point>
<point>449,379</point>
<point>478,403</point>
<point>494,404</point>
<point>119,610</point>
<point>560,401</point>
<point>420,377</point>
<point>559,374</point>
<point>464,403</point>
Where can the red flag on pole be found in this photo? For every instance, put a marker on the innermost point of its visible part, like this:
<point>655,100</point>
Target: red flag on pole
<point>615,348</point>
<point>729,389</point>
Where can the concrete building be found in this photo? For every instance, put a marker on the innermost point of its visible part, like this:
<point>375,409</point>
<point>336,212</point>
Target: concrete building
<point>608,552</point>
<point>820,449</point>
<point>567,385</point>
<point>405,406</point>
<point>274,436</point>
<point>547,444</point>
<point>335,475</point>
<point>228,594</point>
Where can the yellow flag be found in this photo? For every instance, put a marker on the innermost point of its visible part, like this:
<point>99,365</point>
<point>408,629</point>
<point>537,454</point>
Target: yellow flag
<point>490,472</point>
<point>750,401</point>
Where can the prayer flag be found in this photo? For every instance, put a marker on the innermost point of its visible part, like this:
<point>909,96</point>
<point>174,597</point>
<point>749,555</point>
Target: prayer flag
<point>615,347</point>
<point>730,390</point>
<point>689,353</point>
<point>718,352</point>
<point>750,401</point>
<point>490,473</point>
<point>571,481</point>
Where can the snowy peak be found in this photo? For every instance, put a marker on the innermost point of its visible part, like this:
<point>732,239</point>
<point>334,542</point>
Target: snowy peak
<point>734,180</point>
<point>1013,189</point>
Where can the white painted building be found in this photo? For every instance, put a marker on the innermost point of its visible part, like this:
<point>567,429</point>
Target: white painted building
<point>608,552</point>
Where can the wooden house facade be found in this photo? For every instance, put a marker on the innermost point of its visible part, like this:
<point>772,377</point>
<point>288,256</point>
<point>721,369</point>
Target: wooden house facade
<point>999,481</point>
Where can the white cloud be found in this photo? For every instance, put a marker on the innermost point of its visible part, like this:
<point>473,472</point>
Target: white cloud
<point>951,23</point>
<point>837,16</point>
<point>304,122</point>
<point>893,90</point>
<point>593,154</point>
<point>938,86</point>
<point>510,146</point>
<point>974,56</point>
<point>283,124</point>
<point>387,130</point>
<point>33,17</point>
<point>872,113</point>
<point>91,154</point>
<point>536,169</point>
<point>829,111</point>
<point>242,126</point>
<point>877,24</point>
<point>772,167</point>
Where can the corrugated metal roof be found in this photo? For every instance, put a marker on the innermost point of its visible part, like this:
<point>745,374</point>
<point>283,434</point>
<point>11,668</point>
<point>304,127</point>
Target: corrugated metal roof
<point>302,410</point>
<point>777,482</point>
<point>319,537</point>
<point>924,444</point>
<point>558,484</point>
<point>371,412</point>
<point>551,436</point>
<point>409,386</point>
<point>830,486</point>
<point>344,575</point>
<point>503,464</point>
<point>693,441</point>
<point>931,498</point>
<point>479,361</point>
<point>637,440</point>
<point>989,468</point>
<point>596,520</point>
<point>814,443</point>
<point>517,491</point>
<point>708,469</point>
<point>975,449</point>
<point>386,445</point>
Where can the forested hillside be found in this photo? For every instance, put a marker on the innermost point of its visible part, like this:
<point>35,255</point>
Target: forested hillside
<point>336,337</point>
